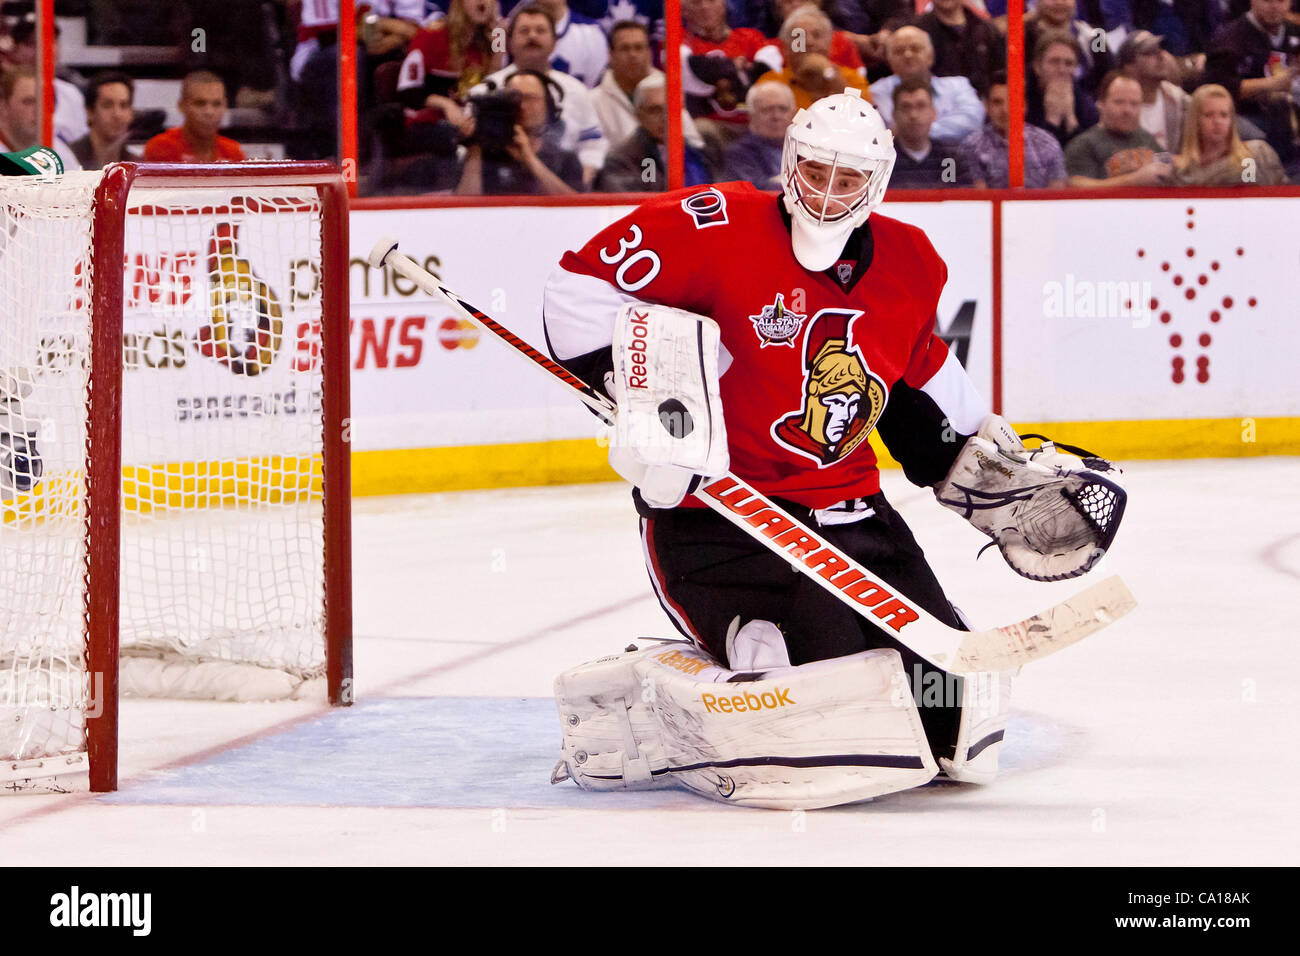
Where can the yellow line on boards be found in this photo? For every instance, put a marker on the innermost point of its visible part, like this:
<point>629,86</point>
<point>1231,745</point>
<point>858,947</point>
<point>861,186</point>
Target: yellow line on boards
<point>290,479</point>
<point>466,467</point>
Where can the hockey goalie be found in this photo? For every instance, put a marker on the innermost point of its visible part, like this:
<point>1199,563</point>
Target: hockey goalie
<point>770,336</point>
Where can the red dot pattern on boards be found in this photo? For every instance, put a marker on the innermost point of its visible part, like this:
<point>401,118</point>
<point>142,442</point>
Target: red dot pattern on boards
<point>1178,280</point>
<point>1164,267</point>
<point>1175,340</point>
<point>1141,253</point>
<point>1190,252</point>
<point>1202,279</point>
<point>1215,316</point>
<point>1227,302</point>
<point>1252,302</point>
<point>1190,224</point>
<point>1241,251</point>
<point>1204,340</point>
<point>1155,303</point>
<point>1165,317</point>
<point>1215,265</point>
<point>1191,210</point>
<point>1190,293</point>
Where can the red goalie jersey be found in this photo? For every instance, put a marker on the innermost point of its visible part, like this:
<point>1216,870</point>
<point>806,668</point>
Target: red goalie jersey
<point>815,361</point>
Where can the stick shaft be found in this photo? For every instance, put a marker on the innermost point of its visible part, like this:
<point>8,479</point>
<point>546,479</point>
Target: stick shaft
<point>408,267</point>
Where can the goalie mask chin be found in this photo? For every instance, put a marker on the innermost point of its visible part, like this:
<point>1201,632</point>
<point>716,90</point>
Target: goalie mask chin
<point>835,165</point>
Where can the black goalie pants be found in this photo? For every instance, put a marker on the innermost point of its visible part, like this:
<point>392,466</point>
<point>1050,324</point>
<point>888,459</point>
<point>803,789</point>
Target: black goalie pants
<point>707,573</point>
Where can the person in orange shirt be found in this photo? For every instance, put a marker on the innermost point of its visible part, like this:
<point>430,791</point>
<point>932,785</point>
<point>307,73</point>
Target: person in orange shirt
<point>203,105</point>
<point>809,72</point>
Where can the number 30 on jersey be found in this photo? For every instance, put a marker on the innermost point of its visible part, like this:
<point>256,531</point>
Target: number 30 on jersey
<point>635,271</point>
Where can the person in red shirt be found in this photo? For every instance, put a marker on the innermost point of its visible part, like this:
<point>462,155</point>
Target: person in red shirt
<point>706,31</point>
<point>827,317</point>
<point>203,105</point>
<point>717,64</point>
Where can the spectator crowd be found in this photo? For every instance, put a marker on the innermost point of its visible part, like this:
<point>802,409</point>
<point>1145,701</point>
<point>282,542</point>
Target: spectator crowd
<point>494,97</point>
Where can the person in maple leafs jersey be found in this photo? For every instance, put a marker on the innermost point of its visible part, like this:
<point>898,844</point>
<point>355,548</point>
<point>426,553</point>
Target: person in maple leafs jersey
<point>826,315</point>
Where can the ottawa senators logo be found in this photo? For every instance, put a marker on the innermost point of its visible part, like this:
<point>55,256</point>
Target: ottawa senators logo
<point>843,399</point>
<point>245,324</point>
<point>707,208</point>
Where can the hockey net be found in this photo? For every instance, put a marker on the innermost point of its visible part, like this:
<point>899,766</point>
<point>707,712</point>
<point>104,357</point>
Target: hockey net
<point>179,425</point>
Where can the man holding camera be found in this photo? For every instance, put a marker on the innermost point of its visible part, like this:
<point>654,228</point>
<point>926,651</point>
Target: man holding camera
<point>513,143</point>
<point>530,40</point>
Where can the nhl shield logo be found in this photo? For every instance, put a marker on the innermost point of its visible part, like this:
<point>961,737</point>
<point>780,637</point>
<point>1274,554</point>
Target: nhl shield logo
<point>777,325</point>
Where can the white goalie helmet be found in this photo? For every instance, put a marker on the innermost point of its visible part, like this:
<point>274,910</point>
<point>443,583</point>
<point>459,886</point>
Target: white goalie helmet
<point>836,163</point>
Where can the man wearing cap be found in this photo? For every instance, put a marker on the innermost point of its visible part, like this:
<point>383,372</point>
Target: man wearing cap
<point>1164,104</point>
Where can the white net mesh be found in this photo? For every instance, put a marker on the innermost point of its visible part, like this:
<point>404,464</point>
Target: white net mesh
<point>222,524</point>
<point>45,243</point>
<point>221,451</point>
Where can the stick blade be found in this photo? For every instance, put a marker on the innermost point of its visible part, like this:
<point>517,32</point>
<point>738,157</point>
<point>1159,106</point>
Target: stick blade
<point>381,251</point>
<point>1006,648</point>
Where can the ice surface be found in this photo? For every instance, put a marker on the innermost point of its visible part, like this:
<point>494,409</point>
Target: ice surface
<point>1164,739</point>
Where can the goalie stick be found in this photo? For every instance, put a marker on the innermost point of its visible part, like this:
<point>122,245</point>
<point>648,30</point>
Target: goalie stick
<point>807,551</point>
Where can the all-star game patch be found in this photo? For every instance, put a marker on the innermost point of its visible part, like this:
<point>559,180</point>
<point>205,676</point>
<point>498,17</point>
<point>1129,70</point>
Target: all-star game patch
<point>777,325</point>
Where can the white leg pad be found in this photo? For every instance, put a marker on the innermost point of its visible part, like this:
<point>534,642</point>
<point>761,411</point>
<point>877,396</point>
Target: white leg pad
<point>986,700</point>
<point>819,735</point>
<point>611,738</point>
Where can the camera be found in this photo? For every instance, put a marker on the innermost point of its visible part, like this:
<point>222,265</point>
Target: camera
<point>496,115</point>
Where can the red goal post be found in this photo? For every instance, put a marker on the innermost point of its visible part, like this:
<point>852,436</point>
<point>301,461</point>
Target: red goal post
<point>234,492</point>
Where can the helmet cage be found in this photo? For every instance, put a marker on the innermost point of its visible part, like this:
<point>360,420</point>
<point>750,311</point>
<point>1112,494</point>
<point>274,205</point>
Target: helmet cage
<point>841,132</point>
<point>834,208</point>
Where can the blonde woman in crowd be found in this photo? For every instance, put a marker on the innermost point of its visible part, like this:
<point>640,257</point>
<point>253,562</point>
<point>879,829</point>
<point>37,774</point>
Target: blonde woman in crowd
<point>451,55</point>
<point>1213,154</point>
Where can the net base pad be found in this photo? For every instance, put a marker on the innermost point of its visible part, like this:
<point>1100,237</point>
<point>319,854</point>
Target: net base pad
<point>161,675</point>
